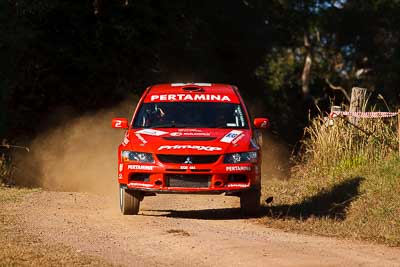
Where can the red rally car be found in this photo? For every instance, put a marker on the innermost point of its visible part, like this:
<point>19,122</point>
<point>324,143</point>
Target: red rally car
<point>190,138</point>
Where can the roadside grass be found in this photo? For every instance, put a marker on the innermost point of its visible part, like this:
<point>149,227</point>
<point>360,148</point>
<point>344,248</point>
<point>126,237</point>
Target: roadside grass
<point>20,248</point>
<point>347,184</point>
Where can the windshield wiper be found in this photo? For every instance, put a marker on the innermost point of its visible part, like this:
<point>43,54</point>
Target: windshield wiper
<point>166,125</point>
<point>181,125</point>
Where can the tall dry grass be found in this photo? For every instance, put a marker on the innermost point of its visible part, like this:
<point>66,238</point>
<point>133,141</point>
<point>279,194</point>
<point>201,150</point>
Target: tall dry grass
<point>347,183</point>
<point>335,144</point>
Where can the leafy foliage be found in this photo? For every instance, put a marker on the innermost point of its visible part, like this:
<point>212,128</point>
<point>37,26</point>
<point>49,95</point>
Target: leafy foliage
<point>87,55</point>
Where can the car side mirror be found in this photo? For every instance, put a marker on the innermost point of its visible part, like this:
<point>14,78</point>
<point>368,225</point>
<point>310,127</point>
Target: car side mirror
<point>119,123</point>
<point>262,123</point>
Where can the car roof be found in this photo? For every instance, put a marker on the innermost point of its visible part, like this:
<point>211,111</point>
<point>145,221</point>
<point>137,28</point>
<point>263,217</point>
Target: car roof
<point>172,92</point>
<point>178,87</point>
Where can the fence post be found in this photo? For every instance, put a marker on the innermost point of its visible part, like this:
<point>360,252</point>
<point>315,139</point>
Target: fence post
<point>357,102</point>
<point>398,128</point>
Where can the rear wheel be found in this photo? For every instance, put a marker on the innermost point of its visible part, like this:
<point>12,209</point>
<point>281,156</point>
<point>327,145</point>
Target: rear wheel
<point>250,202</point>
<point>129,201</point>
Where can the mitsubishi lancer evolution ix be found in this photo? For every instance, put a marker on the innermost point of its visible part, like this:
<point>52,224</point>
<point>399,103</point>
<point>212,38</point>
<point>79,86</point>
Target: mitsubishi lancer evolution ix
<point>190,138</point>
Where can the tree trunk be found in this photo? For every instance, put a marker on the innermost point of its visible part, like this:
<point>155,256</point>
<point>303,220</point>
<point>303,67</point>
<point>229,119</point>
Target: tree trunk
<point>305,77</point>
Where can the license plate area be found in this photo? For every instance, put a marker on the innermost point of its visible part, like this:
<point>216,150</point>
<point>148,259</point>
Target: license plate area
<point>188,181</point>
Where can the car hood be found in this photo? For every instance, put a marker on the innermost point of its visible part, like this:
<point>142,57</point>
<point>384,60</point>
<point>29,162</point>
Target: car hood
<point>189,140</point>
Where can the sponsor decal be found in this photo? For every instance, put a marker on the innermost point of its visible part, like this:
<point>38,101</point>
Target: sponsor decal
<point>235,141</point>
<point>140,167</point>
<point>187,167</point>
<point>200,148</point>
<point>238,185</point>
<point>190,97</point>
<point>144,141</point>
<point>190,134</point>
<point>121,167</point>
<point>238,168</point>
<point>229,137</point>
<point>189,130</point>
<point>140,184</point>
<point>176,134</point>
<point>151,132</point>
<point>118,124</point>
<point>126,141</point>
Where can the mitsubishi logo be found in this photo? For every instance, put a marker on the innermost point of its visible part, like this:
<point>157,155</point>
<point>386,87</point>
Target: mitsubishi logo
<point>188,161</point>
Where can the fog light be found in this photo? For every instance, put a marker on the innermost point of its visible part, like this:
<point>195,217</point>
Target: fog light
<point>218,183</point>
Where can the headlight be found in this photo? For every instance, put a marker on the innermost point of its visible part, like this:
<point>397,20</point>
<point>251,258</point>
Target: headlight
<point>137,156</point>
<point>244,157</point>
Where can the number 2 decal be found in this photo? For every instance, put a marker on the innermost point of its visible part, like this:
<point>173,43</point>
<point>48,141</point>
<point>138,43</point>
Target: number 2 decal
<point>118,123</point>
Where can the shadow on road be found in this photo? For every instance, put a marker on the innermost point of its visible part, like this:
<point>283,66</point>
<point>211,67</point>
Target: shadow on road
<point>329,203</point>
<point>205,214</point>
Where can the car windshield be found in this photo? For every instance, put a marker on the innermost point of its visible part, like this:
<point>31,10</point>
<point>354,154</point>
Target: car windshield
<point>189,115</point>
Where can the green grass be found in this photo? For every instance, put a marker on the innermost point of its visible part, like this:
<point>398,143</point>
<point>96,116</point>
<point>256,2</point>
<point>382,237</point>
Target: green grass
<point>353,193</point>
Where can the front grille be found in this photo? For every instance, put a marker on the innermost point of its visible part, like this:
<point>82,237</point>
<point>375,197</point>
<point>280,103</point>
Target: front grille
<point>175,170</point>
<point>143,177</point>
<point>240,178</point>
<point>201,170</point>
<point>188,159</point>
<point>188,181</point>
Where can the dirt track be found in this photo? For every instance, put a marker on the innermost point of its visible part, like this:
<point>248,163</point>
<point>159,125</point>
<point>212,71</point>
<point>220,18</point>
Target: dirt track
<point>182,230</point>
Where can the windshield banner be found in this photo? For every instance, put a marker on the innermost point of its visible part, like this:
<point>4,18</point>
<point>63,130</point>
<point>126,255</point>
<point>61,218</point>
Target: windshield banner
<point>192,98</point>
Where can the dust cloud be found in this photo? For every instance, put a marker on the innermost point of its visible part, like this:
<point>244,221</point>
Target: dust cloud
<point>276,154</point>
<point>80,155</point>
<point>276,158</point>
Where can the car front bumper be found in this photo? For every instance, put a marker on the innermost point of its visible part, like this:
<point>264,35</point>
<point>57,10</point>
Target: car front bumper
<point>190,179</point>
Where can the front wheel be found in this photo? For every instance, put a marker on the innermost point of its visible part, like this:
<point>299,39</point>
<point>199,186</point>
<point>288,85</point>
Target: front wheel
<point>129,201</point>
<point>250,202</point>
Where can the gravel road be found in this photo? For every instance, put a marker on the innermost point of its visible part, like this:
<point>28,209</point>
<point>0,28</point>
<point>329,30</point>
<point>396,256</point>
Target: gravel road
<point>182,230</point>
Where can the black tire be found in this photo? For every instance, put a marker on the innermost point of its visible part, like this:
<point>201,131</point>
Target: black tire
<point>129,201</point>
<point>250,202</point>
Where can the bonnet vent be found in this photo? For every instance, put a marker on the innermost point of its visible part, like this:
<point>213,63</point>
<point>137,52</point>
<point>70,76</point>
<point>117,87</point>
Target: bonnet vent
<point>193,89</point>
